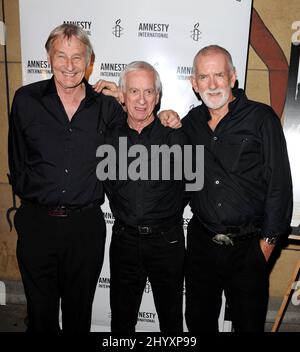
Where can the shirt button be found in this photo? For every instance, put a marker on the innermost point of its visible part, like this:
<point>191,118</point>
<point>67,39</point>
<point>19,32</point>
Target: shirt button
<point>217,182</point>
<point>63,191</point>
<point>101,131</point>
<point>66,171</point>
<point>70,129</point>
<point>215,138</point>
<point>219,205</point>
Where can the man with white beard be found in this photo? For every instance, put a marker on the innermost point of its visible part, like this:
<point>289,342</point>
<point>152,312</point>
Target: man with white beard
<point>245,205</point>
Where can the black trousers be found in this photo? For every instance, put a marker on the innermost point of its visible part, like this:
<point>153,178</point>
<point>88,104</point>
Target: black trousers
<point>239,270</point>
<point>134,257</point>
<point>59,258</point>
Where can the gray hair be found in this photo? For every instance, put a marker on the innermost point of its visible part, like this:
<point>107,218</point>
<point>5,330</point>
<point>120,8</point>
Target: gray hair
<point>68,31</point>
<point>136,66</point>
<point>214,49</point>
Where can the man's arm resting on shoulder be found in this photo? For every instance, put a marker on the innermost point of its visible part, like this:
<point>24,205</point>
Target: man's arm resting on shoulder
<point>107,88</point>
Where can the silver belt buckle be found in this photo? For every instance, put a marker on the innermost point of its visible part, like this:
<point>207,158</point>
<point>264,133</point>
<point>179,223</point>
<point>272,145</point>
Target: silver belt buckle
<point>144,230</point>
<point>222,239</point>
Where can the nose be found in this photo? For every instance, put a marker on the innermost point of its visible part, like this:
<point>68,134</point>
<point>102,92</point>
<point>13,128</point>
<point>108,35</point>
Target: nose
<point>141,98</point>
<point>212,83</point>
<point>69,64</point>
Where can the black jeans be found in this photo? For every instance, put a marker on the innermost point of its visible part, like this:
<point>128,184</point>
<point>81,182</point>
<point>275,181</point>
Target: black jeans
<point>134,257</point>
<point>59,257</point>
<point>239,270</point>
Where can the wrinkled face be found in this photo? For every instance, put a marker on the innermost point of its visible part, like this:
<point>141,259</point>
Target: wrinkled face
<point>68,61</point>
<point>213,80</point>
<point>140,95</point>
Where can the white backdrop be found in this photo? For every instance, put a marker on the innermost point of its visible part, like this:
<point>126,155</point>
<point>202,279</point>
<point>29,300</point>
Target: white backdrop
<point>165,33</point>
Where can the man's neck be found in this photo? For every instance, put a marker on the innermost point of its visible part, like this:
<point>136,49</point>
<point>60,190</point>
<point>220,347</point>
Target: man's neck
<point>218,114</point>
<point>139,125</point>
<point>71,98</point>
<point>71,94</point>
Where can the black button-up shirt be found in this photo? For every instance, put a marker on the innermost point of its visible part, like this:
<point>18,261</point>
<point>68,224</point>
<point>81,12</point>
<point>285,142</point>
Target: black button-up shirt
<point>53,160</point>
<point>145,201</point>
<point>247,177</point>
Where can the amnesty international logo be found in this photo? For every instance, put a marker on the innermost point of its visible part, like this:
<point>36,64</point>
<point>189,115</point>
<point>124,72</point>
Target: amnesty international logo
<point>108,217</point>
<point>34,66</point>
<point>154,30</point>
<point>117,29</point>
<point>104,282</point>
<point>196,33</point>
<point>83,24</point>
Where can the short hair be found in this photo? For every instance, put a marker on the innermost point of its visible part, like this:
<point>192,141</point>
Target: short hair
<point>136,66</point>
<point>214,49</point>
<point>68,31</point>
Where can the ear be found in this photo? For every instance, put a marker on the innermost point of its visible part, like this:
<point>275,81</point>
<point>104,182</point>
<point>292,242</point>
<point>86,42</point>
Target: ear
<point>233,79</point>
<point>49,61</point>
<point>157,98</point>
<point>121,97</point>
<point>194,83</point>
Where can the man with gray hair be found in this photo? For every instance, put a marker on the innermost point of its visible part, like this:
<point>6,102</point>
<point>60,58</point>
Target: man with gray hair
<point>147,239</point>
<point>245,206</point>
<point>56,126</point>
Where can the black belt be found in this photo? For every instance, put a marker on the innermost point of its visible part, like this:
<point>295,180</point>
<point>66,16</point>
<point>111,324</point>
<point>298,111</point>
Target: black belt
<point>61,210</point>
<point>230,234</point>
<point>164,225</point>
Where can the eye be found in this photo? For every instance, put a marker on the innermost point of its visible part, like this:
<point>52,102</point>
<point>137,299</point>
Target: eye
<point>220,74</point>
<point>149,92</point>
<point>202,77</point>
<point>133,91</point>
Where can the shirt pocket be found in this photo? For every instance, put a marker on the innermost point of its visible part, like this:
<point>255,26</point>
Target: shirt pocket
<point>240,153</point>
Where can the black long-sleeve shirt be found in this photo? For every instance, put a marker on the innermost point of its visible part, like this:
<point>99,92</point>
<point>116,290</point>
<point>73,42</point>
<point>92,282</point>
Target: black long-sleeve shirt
<point>145,201</point>
<point>247,174</point>
<point>53,160</point>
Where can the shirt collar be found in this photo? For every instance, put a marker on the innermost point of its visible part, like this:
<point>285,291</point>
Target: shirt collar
<point>240,99</point>
<point>149,127</point>
<point>50,88</point>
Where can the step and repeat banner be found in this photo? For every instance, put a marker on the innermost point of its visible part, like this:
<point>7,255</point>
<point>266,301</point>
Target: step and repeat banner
<point>167,34</point>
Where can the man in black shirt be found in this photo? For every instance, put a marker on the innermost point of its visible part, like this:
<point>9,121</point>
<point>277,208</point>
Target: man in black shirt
<point>56,126</point>
<point>246,204</point>
<point>147,238</point>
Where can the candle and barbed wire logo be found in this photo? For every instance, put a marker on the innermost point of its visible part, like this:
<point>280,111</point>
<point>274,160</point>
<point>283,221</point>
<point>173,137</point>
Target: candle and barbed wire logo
<point>117,29</point>
<point>196,33</point>
<point>148,288</point>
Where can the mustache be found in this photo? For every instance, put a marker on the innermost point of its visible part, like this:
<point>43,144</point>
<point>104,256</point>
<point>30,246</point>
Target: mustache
<point>217,90</point>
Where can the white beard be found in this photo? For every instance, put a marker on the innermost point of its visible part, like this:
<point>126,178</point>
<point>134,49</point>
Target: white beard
<point>210,102</point>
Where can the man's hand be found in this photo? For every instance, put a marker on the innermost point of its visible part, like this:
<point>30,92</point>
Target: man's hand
<point>266,248</point>
<point>107,88</point>
<point>170,118</point>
